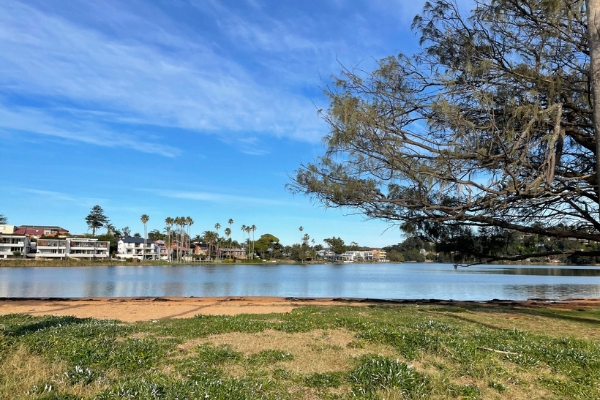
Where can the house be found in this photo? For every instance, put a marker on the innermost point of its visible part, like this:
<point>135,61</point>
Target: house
<point>233,252</point>
<point>162,249</point>
<point>379,255</point>
<point>355,255</point>
<point>36,231</point>
<point>132,247</point>
<point>11,243</point>
<point>7,229</point>
<point>327,254</point>
<point>87,248</point>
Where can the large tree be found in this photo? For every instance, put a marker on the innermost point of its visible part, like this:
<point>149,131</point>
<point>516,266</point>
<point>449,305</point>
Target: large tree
<point>490,126</point>
<point>96,219</point>
<point>3,219</point>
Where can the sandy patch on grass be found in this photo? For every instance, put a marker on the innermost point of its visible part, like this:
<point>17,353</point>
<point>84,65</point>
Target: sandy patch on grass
<point>316,351</point>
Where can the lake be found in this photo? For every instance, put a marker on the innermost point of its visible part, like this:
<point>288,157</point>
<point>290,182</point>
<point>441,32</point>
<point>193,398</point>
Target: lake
<point>383,281</point>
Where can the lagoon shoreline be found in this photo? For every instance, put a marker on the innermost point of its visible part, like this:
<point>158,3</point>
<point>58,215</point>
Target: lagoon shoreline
<point>132,309</point>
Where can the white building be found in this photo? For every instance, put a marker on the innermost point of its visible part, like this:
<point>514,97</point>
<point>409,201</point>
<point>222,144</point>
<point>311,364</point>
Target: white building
<point>87,248</point>
<point>132,247</point>
<point>51,248</point>
<point>355,255</point>
<point>11,243</point>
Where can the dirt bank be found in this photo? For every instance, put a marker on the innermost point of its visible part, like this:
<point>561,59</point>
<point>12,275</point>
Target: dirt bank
<point>144,308</point>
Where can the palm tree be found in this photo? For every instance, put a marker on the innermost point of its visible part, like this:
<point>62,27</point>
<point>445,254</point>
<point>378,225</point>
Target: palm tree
<point>210,237</point>
<point>305,240</point>
<point>228,233</point>
<point>217,227</point>
<point>243,231</point>
<point>248,229</point>
<point>169,223</point>
<point>253,228</point>
<point>145,218</point>
<point>182,234</point>
<point>178,223</point>
<point>189,222</point>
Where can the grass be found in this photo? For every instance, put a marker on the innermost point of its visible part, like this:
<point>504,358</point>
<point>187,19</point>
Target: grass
<point>391,352</point>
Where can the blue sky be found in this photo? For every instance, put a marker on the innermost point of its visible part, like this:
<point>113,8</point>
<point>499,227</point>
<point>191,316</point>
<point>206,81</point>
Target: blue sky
<point>180,108</point>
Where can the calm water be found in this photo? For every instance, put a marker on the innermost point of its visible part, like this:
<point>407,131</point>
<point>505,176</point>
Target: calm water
<point>385,281</point>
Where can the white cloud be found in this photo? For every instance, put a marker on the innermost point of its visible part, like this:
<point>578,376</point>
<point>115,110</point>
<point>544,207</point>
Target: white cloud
<point>167,80</point>
<point>220,198</point>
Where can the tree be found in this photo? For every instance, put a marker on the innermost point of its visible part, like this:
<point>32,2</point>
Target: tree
<point>96,219</point>
<point>3,219</point>
<point>336,245</point>
<point>169,225</point>
<point>253,229</point>
<point>189,221</point>
<point>228,234</point>
<point>266,242</point>
<point>491,125</point>
<point>210,237</point>
<point>217,227</point>
<point>145,218</point>
<point>126,232</point>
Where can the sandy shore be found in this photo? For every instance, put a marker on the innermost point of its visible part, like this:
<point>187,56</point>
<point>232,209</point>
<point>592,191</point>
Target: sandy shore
<point>144,309</point>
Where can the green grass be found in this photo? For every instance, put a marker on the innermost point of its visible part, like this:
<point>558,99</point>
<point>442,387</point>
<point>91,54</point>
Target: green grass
<point>392,352</point>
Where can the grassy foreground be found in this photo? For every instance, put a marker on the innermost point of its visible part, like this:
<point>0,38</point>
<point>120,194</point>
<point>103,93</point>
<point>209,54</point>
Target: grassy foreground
<point>313,352</point>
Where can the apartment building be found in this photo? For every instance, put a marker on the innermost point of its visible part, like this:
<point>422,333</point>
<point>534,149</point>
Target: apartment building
<point>355,255</point>
<point>51,248</point>
<point>132,247</point>
<point>379,255</point>
<point>12,243</point>
<point>87,248</point>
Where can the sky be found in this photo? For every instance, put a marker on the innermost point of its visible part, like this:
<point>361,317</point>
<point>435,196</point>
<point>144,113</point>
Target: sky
<point>173,108</point>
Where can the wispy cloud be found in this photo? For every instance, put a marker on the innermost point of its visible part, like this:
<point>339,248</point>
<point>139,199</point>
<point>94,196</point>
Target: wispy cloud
<point>58,196</point>
<point>167,80</point>
<point>219,198</point>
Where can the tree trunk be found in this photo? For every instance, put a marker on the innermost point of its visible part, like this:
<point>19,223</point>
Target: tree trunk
<point>593,16</point>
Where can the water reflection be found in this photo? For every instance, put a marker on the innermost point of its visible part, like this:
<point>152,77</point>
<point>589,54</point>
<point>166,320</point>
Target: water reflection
<point>399,281</point>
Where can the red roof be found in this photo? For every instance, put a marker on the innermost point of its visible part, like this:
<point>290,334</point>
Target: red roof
<point>29,232</point>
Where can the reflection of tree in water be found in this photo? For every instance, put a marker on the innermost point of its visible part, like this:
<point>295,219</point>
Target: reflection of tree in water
<point>550,291</point>
<point>541,271</point>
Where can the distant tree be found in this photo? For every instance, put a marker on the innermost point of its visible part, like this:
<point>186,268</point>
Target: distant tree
<point>228,234</point>
<point>169,225</point>
<point>126,232</point>
<point>266,242</point>
<point>336,245</point>
<point>16,254</point>
<point>3,219</point>
<point>155,235</point>
<point>145,218</point>
<point>137,235</point>
<point>189,222</point>
<point>211,238</point>
<point>96,219</point>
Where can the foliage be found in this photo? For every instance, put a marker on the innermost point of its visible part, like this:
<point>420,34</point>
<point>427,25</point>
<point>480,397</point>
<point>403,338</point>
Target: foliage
<point>155,235</point>
<point>490,125</point>
<point>336,245</point>
<point>266,242</point>
<point>3,219</point>
<point>96,219</point>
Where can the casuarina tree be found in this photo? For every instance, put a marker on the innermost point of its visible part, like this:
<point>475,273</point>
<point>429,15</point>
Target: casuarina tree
<point>493,126</point>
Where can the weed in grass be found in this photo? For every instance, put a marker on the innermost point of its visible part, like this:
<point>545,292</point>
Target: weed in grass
<point>376,373</point>
<point>266,357</point>
<point>218,355</point>
<point>325,380</point>
<point>497,386</point>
